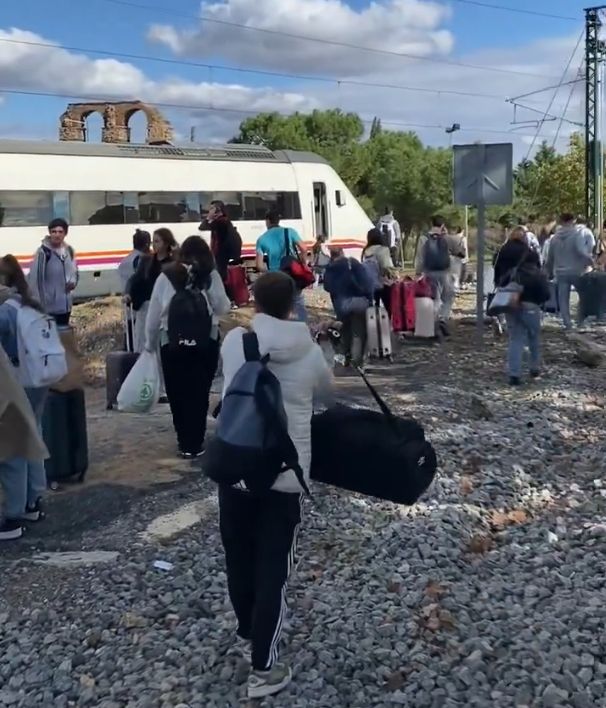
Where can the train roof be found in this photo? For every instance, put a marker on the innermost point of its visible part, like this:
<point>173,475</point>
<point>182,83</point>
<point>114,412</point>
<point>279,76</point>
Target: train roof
<point>228,152</point>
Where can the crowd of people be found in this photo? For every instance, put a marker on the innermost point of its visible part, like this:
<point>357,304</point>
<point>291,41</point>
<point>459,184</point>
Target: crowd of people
<point>185,287</point>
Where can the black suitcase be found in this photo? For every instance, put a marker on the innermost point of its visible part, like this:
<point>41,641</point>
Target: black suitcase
<point>119,364</point>
<point>372,453</point>
<point>592,295</point>
<point>65,435</point>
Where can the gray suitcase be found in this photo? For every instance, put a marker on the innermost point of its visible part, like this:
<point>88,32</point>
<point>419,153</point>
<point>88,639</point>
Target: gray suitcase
<point>378,331</point>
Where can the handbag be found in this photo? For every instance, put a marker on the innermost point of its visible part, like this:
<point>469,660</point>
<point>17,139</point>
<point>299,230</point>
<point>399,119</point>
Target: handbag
<point>292,264</point>
<point>506,298</point>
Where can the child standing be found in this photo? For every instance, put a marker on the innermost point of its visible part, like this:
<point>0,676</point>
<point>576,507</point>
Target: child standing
<point>259,532</point>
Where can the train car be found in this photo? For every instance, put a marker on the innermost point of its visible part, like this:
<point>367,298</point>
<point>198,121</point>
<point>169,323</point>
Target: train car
<point>107,191</point>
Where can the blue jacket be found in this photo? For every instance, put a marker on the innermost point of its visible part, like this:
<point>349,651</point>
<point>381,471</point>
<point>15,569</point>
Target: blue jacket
<point>344,279</point>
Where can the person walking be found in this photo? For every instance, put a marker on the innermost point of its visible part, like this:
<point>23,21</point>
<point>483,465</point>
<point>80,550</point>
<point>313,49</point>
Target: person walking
<point>141,284</point>
<point>389,228</point>
<point>22,478</point>
<point>457,244</point>
<point>271,250</point>
<point>375,250</point>
<point>433,261</point>
<point>518,261</point>
<point>570,256</point>
<point>259,531</point>
<point>53,274</point>
<point>351,291</point>
<point>189,367</point>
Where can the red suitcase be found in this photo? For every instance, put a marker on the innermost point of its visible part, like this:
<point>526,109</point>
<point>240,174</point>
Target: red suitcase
<point>410,291</point>
<point>236,286</point>
<point>396,307</point>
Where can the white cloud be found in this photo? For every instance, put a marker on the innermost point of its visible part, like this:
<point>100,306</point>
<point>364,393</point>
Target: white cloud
<point>402,26</point>
<point>56,70</point>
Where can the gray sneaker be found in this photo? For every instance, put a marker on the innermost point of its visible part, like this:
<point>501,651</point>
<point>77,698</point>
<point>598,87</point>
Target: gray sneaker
<point>268,683</point>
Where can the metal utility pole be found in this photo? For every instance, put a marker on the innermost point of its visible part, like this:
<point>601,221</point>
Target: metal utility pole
<point>594,162</point>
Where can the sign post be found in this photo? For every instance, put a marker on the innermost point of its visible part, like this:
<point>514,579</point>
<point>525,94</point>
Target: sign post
<point>483,175</point>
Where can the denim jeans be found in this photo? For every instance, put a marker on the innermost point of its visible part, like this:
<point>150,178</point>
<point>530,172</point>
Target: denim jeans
<point>523,330</point>
<point>564,285</point>
<point>24,482</point>
<point>299,310</point>
<point>353,337</point>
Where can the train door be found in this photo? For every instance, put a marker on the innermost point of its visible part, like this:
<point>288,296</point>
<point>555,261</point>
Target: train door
<point>321,214</point>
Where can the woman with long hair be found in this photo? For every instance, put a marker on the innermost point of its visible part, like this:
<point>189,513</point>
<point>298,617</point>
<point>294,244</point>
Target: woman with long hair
<point>517,260</point>
<point>23,481</point>
<point>189,363</point>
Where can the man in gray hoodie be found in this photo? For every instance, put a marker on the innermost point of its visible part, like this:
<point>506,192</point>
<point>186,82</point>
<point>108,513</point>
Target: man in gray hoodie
<point>570,257</point>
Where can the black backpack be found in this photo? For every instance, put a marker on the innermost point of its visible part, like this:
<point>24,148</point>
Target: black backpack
<point>189,315</point>
<point>436,254</point>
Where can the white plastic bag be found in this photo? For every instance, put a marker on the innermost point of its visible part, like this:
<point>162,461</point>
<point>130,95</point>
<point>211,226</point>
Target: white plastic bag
<point>141,389</point>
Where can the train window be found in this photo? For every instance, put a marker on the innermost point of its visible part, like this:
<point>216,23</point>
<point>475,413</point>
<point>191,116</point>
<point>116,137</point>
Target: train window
<point>97,208</point>
<point>257,204</point>
<point>339,198</point>
<point>165,207</point>
<point>61,205</point>
<point>232,201</point>
<point>131,207</point>
<point>25,208</point>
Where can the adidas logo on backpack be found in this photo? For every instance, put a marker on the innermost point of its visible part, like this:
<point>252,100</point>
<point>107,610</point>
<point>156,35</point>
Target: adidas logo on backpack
<point>40,353</point>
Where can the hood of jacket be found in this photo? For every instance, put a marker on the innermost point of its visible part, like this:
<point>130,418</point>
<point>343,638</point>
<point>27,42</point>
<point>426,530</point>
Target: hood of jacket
<point>568,253</point>
<point>286,341</point>
<point>64,251</point>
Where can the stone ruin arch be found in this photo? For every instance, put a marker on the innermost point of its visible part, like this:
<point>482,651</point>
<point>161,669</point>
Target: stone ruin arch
<point>116,117</point>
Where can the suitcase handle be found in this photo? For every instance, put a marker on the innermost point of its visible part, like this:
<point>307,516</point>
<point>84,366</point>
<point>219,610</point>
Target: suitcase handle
<point>129,327</point>
<point>375,394</point>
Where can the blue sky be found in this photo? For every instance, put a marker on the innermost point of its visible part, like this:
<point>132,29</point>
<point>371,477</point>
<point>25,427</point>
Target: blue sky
<point>468,33</point>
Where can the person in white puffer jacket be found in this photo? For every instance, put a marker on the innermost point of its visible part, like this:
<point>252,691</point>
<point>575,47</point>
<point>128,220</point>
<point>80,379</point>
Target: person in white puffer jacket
<point>259,533</point>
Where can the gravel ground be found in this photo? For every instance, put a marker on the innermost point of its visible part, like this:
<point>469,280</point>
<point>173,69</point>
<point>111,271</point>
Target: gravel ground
<point>489,592</point>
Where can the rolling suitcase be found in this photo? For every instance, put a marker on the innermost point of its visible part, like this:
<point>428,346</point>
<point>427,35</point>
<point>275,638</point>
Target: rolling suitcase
<point>378,331</point>
<point>119,364</point>
<point>409,296</point>
<point>397,307</point>
<point>64,432</point>
<point>425,318</point>
<point>592,295</point>
<point>236,285</point>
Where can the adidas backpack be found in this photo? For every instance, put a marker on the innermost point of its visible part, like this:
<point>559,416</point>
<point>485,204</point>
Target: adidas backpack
<point>41,356</point>
<point>189,315</point>
<point>252,445</point>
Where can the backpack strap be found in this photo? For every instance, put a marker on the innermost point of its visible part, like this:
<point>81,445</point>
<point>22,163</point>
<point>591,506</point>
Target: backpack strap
<point>250,342</point>
<point>289,451</point>
<point>286,242</point>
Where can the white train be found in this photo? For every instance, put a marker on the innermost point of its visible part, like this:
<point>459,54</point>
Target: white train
<point>106,191</point>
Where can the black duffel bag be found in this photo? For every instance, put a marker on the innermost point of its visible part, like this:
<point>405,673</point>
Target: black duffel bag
<point>376,454</point>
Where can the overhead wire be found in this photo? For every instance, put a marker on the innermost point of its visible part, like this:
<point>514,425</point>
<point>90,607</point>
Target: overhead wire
<point>260,72</point>
<point>541,122</point>
<point>321,40</point>
<point>242,111</point>
<point>520,10</point>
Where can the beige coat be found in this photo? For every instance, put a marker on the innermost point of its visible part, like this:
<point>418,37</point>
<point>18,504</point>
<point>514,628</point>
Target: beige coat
<point>18,433</point>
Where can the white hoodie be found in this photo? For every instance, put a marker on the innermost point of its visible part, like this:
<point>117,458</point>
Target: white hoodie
<point>301,368</point>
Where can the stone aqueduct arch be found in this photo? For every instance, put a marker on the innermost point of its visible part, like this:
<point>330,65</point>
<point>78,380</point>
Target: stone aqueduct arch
<point>116,117</point>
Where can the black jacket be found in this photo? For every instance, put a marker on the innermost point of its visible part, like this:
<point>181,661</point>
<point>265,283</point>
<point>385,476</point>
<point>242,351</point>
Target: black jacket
<point>517,255</point>
<point>142,282</point>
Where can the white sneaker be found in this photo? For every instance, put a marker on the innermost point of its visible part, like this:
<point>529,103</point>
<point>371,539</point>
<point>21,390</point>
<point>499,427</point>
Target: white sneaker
<point>268,683</point>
